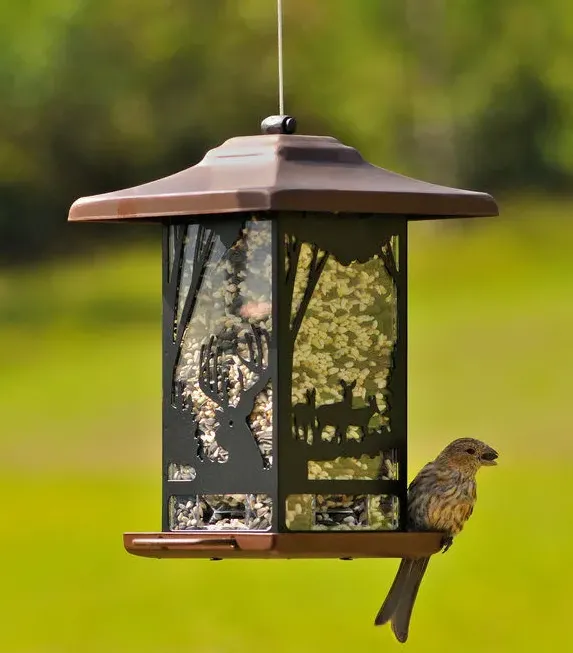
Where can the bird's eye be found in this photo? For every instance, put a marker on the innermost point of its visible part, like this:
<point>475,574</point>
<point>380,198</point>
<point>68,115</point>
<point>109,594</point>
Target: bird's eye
<point>470,451</point>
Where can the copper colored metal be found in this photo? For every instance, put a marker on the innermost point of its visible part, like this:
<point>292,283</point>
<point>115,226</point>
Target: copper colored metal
<point>283,172</point>
<point>195,543</point>
<point>283,545</point>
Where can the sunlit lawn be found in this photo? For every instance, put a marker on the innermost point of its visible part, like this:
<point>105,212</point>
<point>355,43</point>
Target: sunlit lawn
<point>68,586</point>
<point>491,354</point>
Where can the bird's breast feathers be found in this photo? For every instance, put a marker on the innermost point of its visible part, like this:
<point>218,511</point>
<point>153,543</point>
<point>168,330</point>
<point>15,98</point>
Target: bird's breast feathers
<point>447,516</point>
<point>441,500</point>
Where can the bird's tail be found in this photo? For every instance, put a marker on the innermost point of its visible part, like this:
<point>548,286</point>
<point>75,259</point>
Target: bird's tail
<point>397,608</point>
<point>392,599</point>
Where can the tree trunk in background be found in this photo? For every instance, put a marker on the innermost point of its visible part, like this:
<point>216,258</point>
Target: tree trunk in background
<point>432,121</point>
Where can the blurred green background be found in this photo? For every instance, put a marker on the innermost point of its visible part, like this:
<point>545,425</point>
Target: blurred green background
<point>101,95</point>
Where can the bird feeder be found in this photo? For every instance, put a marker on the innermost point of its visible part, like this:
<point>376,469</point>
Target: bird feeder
<point>284,347</point>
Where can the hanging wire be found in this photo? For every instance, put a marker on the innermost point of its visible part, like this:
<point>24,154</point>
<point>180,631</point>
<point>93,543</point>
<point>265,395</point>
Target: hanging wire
<point>280,55</point>
<point>280,124</point>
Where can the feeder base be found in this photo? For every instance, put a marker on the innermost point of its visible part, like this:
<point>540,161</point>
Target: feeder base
<point>282,545</point>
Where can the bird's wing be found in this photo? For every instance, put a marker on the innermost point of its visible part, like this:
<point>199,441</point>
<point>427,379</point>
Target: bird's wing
<point>419,493</point>
<point>427,473</point>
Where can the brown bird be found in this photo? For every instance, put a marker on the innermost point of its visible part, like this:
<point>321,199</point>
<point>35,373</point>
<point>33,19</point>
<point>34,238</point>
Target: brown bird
<point>440,498</point>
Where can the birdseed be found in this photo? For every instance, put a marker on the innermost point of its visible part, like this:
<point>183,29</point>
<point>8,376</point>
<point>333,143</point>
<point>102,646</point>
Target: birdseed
<point>308,512</point>
<point>366,468</point>
<point>177,472</point>
<point>220,512</point>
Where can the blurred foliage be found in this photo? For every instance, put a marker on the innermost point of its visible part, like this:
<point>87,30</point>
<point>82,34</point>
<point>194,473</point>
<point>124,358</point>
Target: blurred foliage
<point>107,94</point>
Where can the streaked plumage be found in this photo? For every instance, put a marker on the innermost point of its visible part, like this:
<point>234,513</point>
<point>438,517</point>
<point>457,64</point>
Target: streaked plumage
<point>440,498</point>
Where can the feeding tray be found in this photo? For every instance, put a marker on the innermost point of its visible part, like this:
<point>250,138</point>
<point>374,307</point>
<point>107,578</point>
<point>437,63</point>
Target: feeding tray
<point>283,545</point>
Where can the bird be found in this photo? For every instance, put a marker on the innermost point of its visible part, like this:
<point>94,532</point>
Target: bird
<point>440,498</point>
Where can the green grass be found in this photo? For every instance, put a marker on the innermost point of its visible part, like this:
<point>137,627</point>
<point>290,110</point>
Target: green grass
<point>68,585</point>
<point>491,354</point>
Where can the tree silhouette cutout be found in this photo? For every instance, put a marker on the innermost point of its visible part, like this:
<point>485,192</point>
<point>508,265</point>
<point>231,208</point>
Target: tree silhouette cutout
<point>315,268</point>
<point>203,247</point>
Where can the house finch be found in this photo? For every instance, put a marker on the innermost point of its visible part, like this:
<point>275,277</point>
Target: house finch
<point>440,498</point>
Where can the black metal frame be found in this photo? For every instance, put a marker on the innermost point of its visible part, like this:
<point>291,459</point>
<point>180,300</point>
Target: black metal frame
<point>179,427</point>
<point>339,234</point>
<point>347,237</point>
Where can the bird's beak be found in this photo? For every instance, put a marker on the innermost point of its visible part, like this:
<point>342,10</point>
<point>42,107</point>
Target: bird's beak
<point>488,458</point>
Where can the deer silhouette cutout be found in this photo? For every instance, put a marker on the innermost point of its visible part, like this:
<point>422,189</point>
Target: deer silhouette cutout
<point>361,416</point>
<point>335,414</point>
<point>215,382</point>
<point>347,389</point>
<point>304,417</point>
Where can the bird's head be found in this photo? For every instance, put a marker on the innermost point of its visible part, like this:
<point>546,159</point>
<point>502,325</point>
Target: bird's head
<point>468,455</point>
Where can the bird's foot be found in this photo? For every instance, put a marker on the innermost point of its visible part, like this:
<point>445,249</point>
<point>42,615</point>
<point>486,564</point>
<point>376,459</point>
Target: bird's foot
<point>447,542</point>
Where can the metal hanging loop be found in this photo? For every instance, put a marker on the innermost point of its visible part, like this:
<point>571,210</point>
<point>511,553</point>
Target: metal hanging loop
<point>278,125</point>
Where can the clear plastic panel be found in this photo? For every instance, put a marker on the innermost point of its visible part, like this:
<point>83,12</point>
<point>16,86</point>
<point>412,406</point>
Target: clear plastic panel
<point>340,512</point>
<point>221,512</point>
<point>344,346</point>
<point>224,352</point>
<point>176,472</point>
<point>364,468</point>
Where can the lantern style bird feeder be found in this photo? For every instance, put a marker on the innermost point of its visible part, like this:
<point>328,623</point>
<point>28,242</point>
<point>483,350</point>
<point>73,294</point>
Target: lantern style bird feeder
<point>284,347</point>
